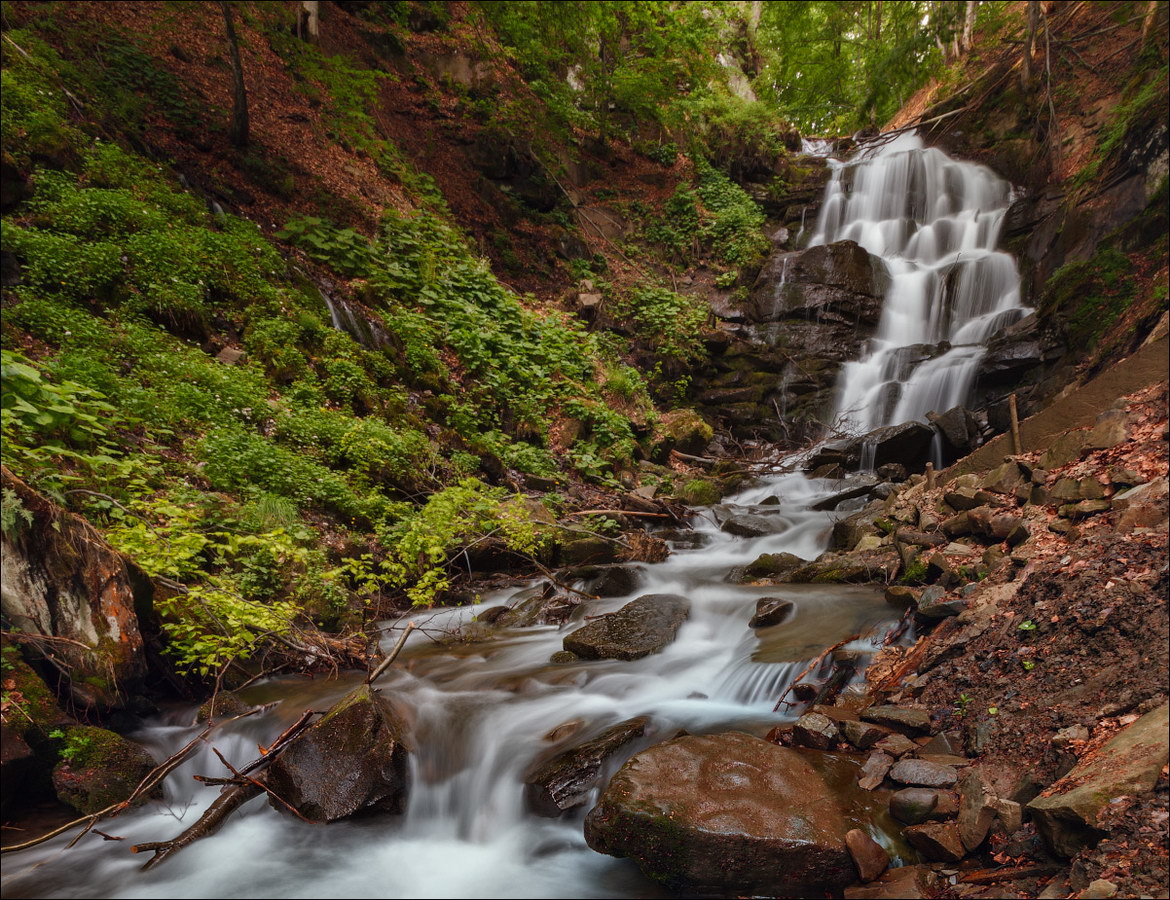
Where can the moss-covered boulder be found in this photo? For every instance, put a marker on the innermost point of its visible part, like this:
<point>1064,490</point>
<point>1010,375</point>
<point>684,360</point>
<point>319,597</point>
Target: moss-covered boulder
<point>99,768</point>
<point>639,628</point>
<point>725,814</point>
<point>683,430</point>
<point>699,492</point>
<point>353,760</point>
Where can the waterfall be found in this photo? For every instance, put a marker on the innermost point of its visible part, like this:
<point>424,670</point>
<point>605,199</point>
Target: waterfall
<point>935,222</point>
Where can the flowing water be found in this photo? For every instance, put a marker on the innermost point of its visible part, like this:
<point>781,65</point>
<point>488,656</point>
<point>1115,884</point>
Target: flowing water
<point>934,222</point>
<point>480,713</point>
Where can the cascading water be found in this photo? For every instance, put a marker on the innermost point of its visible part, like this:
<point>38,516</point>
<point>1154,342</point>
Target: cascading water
<point>934,222</point>
<point>480,712</point>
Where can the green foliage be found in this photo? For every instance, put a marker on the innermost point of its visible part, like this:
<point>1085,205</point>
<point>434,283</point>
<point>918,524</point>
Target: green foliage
<point>914,573</point>
<point>342,248</point>
<point>1090,295</point>
<point>420,545</point>
<point>14,518</point>
<point>670,323</point>
<point>76,743</point>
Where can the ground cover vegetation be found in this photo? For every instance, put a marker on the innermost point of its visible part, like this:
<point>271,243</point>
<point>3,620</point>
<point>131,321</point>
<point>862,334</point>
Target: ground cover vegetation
<point>279,420</point>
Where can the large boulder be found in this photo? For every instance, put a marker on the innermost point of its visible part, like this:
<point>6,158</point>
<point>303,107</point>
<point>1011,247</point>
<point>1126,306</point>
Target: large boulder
<point>565,781</point>
<point>724,814</point>
<point>838,283</point>
<point>353,760</point>
<point>60,579</point>
<point>1126,766</point>
<point>639,628</point>
<point>907,444</point>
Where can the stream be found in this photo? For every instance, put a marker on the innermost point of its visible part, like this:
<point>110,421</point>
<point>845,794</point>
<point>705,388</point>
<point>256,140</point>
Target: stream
<point>480,713</point>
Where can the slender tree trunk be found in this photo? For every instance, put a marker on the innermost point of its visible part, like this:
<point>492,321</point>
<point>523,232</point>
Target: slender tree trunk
<point>1026,74</point>
<point>1148,21</point>
<point>877,22</point>
<point>310,15</point>
<point>238,130</point>
<point>969,23</point>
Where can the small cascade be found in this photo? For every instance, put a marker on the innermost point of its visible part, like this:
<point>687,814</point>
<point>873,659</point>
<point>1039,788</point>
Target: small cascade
<point>343,317</point>
<point>935,223</point>
<point>778,301</point>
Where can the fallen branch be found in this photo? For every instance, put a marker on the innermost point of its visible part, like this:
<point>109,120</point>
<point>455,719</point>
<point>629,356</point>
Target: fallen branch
<point>812,665</point>
<point>1010,873</point>
<point>619,512</point>
<point>392,655</point>
<point>209,823</point>
<point>152,779</point>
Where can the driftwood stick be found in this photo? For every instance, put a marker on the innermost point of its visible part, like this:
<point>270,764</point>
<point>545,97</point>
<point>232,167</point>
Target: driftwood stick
<point>208,823</point>
<point>280,743</point>
<point>153,778</point>
<point>392,655</point>
<point>618,512</point>
<point>812,665</point>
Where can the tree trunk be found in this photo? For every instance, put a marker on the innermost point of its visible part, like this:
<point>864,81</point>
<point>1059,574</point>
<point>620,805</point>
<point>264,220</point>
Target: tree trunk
<point>969,23</point>
<point>310,14</point>
<point>1148,21</point>
<point>1026,74</point>
<point>238,130</point>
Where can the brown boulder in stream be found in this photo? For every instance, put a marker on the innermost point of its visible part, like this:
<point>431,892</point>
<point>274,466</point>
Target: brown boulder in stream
<point>724,814</point>
<point>564,782</point>
<point>353,760</point>
<point>639,628</point>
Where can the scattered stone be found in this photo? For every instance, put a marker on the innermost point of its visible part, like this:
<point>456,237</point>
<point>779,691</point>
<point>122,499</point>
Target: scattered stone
<point>896,745</point>
<point>941,606</point>
<point>1099,890</point>
<point>352,760</point>
<point>976,810</point>
<point>858,486</point>
<point>567,780</point>
<point>1111,429</point>
<point>892,472</point>
<point>231,356</point>
<point>912,806</point>
<point>1128,764</point>
<point>639,628</point>
<point>869,856</point>
<point>615,581</point>
<point>724,814</point>
<point>1005,479</point>
<point>957,526</point>
<point>749,525</point>
<point>1085,508</point>
<point>773,564</point>
<point>938,841</point>
<point>899,718</point>
<point>771,611</point>
<point>1010,815</point>
<point>223,705</point>
<point>901,595</point>
<point>815,730</point>
<point>918,538</point>
<point>924,774</point>
<point>863,735</point>
<point>904,883</point>
<point>873,771</point>
<point>564,656</point>
<point>489,615</point>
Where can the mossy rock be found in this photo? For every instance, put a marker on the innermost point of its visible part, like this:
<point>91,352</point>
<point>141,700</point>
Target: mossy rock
<point>38,712</point>
<point>683,430</point>
<point>223,705</point>
<point>699,492</point>
<point>102,768</point>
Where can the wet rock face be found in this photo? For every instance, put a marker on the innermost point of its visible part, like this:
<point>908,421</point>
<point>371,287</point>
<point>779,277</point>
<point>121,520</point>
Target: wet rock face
<point>565,781</point>
<point>61,579</point>
<point>639,628</point>
<point>724,814</point>
<point>351,761</point>
<point>839,281</point>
